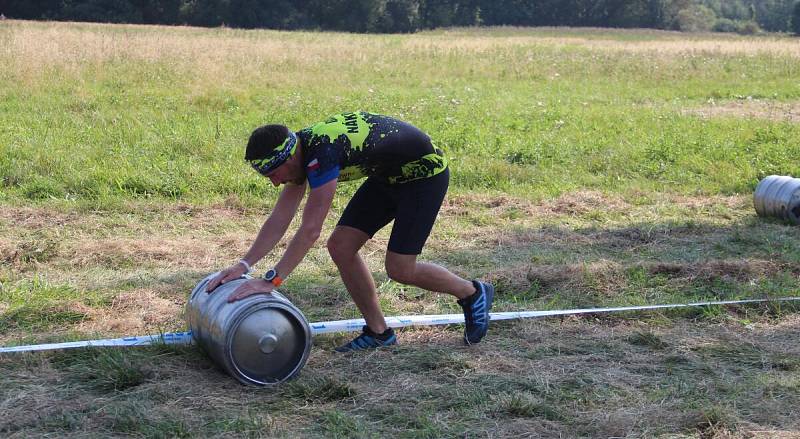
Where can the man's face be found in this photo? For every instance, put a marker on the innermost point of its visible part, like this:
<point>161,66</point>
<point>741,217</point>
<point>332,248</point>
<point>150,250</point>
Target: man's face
<point>289,172</point>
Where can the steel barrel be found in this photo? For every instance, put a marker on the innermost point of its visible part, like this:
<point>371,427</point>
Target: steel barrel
<point>261,340</point>
<point>778,196</point>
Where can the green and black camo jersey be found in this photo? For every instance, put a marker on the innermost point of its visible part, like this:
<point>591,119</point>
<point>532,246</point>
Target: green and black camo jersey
<point>350,146</point>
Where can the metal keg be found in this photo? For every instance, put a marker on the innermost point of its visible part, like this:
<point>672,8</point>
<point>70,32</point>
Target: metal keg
<point>260,340</point>
<point>779,197</point>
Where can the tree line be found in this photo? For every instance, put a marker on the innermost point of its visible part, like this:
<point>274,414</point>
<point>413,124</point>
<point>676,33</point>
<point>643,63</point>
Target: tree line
<point>403,16</point>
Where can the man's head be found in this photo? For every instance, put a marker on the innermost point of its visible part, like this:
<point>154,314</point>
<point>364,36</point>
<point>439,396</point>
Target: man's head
<point>271,151</point>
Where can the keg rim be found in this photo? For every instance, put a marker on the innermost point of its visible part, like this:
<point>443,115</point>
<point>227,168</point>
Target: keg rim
<point>295,312</point>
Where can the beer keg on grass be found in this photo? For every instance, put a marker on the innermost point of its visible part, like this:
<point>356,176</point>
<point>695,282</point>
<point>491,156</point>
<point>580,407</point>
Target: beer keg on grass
<point>778,197</point>
<point>260,340</point>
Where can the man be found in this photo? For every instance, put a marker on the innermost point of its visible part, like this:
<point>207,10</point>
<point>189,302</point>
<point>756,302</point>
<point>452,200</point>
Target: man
<point>407,178</point>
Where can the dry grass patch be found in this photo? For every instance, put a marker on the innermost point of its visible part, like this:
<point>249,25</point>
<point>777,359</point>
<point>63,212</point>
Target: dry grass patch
<point>81,241</point>
<point>135,312</point>
<point>137,218</point>
<point>700,48</point>
<point>610,278</point>
<point>740,270</point>
<point>705,202</point>
<point>228,57</point>
<point>9,253</point>
<point>601,277</point>
<point>749,108</point>
<point>128,252</point>
<point>465,204</point>
<point>662,46</point>
<point>572,203</point>
<point>582,202</point>
<point>38,218</point>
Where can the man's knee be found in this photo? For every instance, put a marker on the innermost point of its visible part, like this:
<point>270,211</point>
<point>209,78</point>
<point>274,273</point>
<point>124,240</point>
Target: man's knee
<point>341,247</point>
<point>400,271</point>
<point>336,247</point>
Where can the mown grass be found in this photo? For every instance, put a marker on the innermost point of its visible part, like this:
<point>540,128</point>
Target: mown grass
<point>590,168</point>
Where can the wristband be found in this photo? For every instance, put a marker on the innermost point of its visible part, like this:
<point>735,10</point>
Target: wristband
<point>246,265</point>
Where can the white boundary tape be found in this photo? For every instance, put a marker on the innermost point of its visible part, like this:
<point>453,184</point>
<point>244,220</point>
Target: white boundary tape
<point>394,322</point>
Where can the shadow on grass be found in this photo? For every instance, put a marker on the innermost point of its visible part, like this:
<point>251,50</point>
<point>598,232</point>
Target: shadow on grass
<point>637,264</point>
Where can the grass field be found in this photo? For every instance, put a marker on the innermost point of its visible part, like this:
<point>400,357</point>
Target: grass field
<point>590,168</point>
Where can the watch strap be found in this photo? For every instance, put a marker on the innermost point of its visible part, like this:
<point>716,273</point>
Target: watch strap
<point>273,277</point>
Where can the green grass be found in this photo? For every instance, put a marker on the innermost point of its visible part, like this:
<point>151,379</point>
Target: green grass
<point>583,174</point>
<point>35,305</point>
<point>115,128</point>
<point>320,389</point>
<point>104,370</point>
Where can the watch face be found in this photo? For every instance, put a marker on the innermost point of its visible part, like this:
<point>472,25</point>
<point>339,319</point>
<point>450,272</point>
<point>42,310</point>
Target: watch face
<point>270,274</point>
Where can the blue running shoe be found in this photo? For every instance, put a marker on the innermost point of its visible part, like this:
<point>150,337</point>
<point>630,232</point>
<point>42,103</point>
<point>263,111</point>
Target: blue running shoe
<point>476,311</point>
<point>368,340</point>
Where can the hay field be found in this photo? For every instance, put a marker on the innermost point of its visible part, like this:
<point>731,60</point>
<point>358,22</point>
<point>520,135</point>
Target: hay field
<point>590,168</point>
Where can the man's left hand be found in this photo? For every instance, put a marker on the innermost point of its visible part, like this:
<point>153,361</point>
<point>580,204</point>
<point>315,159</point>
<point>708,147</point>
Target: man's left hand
<point>249,288</point>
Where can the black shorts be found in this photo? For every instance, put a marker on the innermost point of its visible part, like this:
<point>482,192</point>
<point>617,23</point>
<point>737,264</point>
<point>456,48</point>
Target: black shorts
<point>413,206</point>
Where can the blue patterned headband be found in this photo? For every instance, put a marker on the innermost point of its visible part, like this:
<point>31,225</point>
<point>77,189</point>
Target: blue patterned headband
<point>277,156</point>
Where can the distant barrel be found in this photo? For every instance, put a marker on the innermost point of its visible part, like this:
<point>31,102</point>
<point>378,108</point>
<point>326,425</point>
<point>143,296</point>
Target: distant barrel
<point>260,340</point>
<point>778,196</point>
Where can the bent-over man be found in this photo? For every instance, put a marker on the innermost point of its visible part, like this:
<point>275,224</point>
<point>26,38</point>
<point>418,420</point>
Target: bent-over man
<point>406,181</point>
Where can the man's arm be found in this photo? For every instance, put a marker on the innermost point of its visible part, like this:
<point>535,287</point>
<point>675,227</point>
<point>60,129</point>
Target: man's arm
<point>276,224</point>
<point>271,232</point>
<point>317,208</point>
<point>314,213</point>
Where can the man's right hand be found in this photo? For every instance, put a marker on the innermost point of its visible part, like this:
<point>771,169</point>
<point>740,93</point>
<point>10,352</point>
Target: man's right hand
<point>231,273</point>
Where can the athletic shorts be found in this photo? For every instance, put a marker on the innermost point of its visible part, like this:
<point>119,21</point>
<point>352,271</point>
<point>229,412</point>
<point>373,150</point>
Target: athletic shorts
<point>413,206</point>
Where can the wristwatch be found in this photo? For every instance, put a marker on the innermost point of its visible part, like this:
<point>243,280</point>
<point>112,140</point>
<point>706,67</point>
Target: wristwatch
<point>272,276</point>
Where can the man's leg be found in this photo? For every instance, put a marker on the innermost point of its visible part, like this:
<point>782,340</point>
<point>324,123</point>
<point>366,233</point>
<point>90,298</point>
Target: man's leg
<point>419,204</point>
<point>343,246</point>
<point>406,270</point>
<point>475,298</point>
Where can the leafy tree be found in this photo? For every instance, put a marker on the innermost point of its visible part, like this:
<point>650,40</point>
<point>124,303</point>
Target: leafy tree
<point>111,11</point>
<point>625,13</point>
<point>31,9</point>
<point>203,12</point>
<point>738,26</point>
<point>773,15</point>
<point>158,11</point>
<point>251,14</point>
<point>743,16</point>
<point>796,19</point>
<point>695,18</point>
<point>399,16</point>
<point>345,15</point>
<point>507,12</point>
<point>671,10</point>
<point>734,10</point>
<point>445,13</point>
